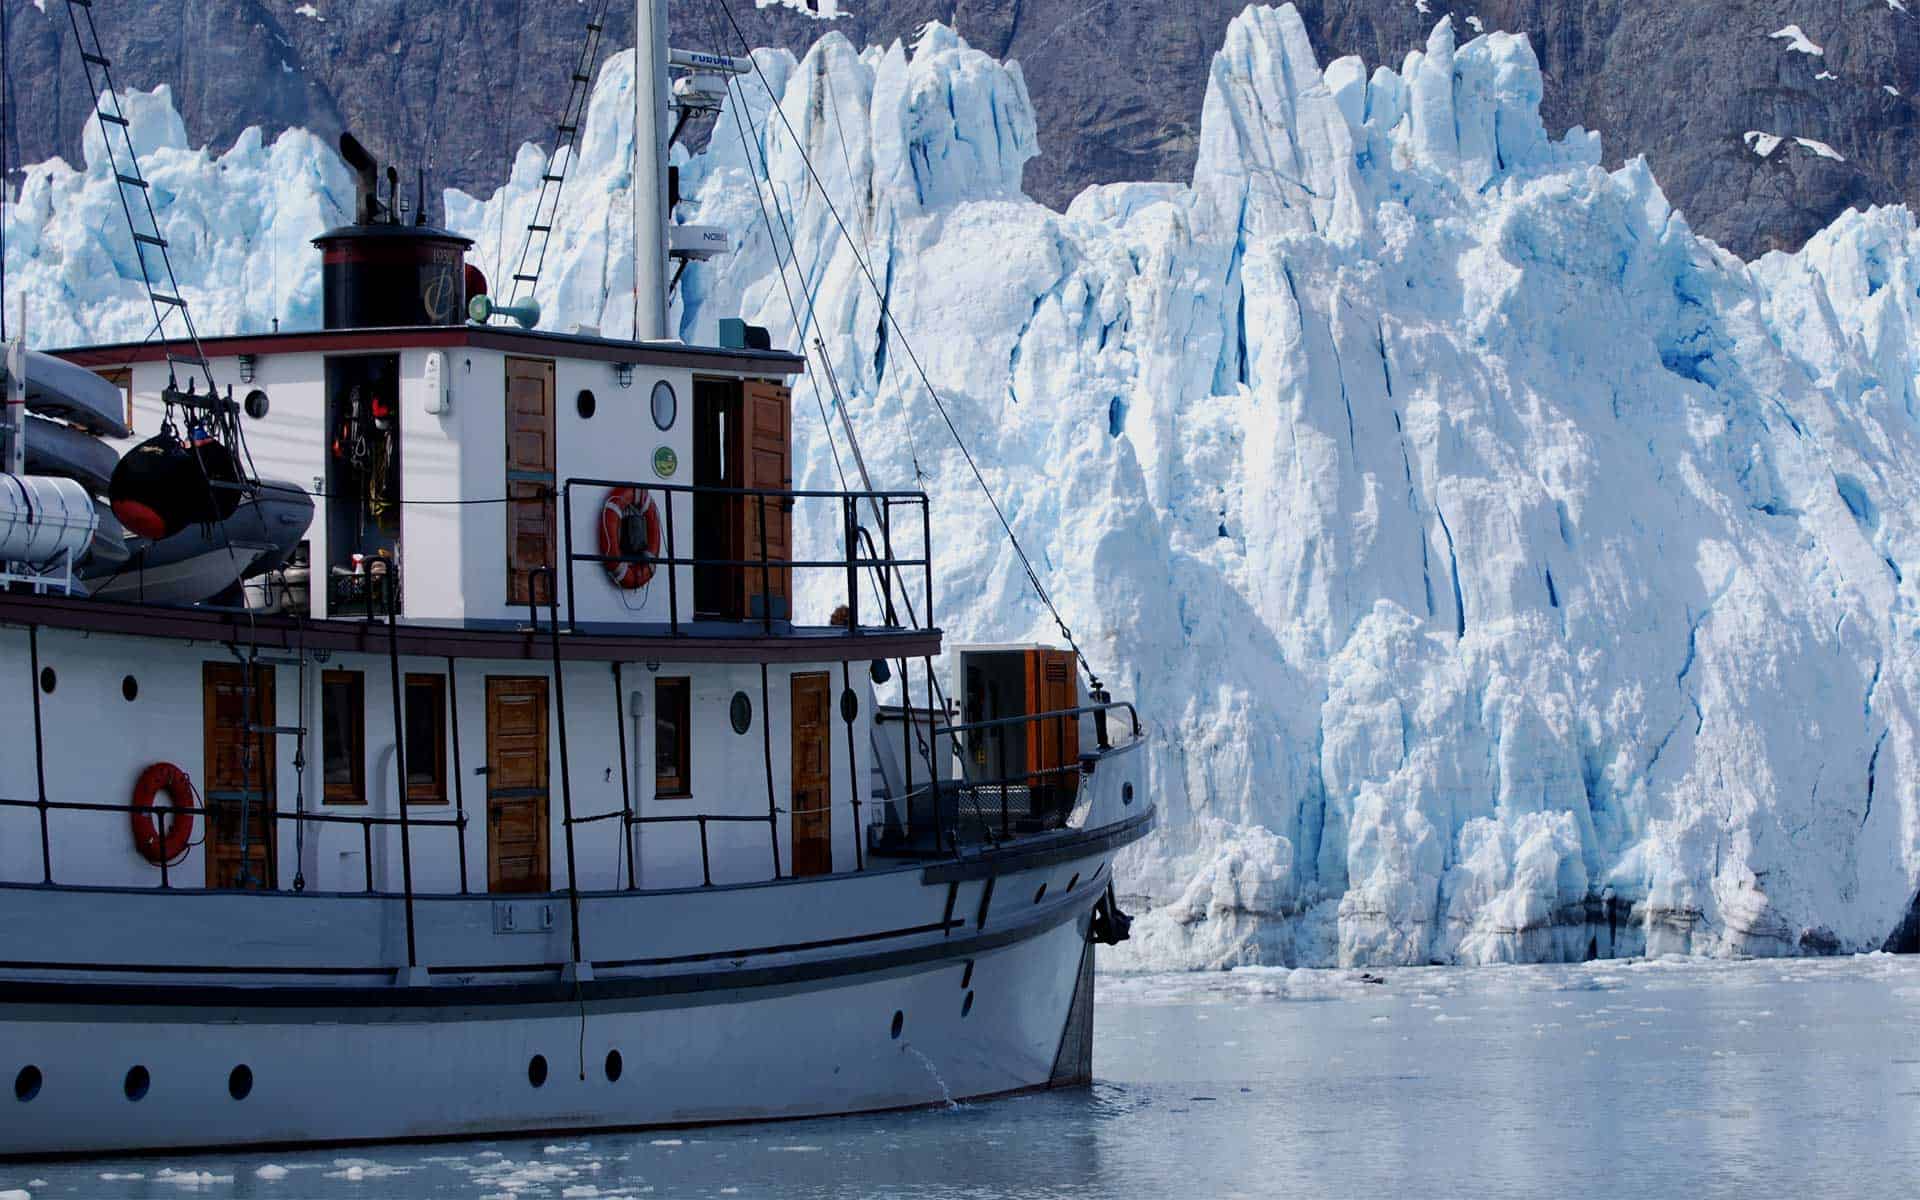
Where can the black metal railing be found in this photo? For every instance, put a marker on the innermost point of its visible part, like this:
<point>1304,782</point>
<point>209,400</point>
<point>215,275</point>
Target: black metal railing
<point>892,520</point>
<point>936,816</point>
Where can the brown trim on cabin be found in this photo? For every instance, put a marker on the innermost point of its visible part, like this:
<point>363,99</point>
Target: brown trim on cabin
<point>439,337</point>
<point>452,641</point>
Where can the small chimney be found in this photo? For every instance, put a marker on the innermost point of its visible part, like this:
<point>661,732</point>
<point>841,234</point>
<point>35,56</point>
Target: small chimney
<point>379,273</point>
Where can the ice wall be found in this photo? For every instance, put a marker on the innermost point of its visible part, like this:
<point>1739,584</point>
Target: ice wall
<point>1509,573</point>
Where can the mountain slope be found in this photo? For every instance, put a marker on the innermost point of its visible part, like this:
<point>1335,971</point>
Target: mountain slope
<point>1118,85</point>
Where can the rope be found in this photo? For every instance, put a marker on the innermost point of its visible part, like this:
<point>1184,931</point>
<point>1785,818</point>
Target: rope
<point>886,310</point>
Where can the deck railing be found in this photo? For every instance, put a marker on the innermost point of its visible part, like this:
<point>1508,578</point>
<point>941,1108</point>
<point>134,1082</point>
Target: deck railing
<point>892,514</point>
<point>938,814</point>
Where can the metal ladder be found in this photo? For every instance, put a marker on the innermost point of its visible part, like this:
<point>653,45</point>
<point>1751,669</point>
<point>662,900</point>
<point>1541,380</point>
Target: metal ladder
<point>546,209</point>
<point>147,237</point>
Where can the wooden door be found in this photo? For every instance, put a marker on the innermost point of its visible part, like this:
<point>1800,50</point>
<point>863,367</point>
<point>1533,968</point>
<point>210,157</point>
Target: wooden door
<point>238,789</point>
<point>766,462</point>
<point>1052,686</point>
<point>716,524</point>
<point>517,785</point>
<point>532,528</point>
<point>812,797</point>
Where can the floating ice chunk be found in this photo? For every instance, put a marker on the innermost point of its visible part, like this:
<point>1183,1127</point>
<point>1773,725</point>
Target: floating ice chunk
<point>272,1171</point>
<point>1797,41</point>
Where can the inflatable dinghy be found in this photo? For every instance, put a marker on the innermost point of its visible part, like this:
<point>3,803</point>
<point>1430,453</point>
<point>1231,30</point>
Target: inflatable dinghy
<point>69,453</point>
<point>203,561</point>
<point>57,388</point>
<point>110,547</point>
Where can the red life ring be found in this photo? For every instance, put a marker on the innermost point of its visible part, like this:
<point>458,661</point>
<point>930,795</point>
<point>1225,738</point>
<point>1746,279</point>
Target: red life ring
<point>162,777</point>
<point>629,528</point>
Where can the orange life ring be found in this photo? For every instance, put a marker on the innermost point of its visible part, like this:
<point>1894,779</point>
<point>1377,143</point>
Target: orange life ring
<point>147,839</point>
<point>629,529</point>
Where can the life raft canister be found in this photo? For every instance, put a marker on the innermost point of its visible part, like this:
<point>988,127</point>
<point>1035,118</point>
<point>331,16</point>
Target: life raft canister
<point>629,529</point>
<point>147,839</point>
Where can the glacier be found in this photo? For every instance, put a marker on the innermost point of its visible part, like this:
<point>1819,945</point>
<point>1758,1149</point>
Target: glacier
<point>1508,573</point>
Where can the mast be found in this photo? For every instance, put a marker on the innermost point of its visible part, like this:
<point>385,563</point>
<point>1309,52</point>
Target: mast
<point>650,171</point>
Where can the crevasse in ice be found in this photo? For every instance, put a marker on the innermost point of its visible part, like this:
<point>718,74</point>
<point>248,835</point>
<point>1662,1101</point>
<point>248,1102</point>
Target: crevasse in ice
<point>1508,573</point>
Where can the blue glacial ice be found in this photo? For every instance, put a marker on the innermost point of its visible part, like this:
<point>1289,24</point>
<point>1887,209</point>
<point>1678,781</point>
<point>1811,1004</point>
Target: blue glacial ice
<point>1510,573</point>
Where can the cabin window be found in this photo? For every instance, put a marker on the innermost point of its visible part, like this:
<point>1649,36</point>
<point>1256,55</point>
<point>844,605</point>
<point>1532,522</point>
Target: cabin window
<point>122,378</point>
<point>426,716</point>
<point>343,741</point>
<point>672,737</point>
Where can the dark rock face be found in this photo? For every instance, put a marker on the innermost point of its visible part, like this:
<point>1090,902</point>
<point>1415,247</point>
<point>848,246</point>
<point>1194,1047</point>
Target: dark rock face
<point>1117,84</point>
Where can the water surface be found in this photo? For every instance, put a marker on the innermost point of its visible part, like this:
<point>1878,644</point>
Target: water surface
<point>1611,1079</point>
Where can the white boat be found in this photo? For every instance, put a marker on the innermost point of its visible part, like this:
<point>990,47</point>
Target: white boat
<point>606,780</point>
<point>71,393</point>
<point>61,450</point>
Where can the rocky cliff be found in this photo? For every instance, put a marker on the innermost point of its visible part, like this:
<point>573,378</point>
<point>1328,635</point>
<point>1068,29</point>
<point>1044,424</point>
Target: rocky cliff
<point>1117,84</point>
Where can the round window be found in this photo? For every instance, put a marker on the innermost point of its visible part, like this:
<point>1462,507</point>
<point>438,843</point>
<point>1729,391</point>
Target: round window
<point>256,404</point>
<point>849,706</point>
<point>741,711</point>
<point>585,404</point>
<point>665,405</point>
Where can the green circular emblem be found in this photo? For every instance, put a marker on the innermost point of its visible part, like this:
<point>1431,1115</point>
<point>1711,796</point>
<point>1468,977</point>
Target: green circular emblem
<point>665,462</point>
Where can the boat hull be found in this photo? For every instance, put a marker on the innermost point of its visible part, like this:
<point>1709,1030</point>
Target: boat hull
<point>985,1012</point>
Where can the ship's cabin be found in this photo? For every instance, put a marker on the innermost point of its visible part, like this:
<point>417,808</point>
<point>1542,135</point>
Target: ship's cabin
<point>545,611</point>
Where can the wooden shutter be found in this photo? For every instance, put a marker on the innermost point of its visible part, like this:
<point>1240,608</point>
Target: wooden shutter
<point>767,421</point>
<point>1053,686</point>
<point>531,475</point>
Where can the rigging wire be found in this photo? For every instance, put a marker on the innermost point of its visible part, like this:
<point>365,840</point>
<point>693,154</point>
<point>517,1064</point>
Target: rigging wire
<point>893,322</point>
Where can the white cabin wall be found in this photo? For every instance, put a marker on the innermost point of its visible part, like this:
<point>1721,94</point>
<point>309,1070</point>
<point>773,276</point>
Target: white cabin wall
<point>619,443</point>
<point>97,744</point>
<point>432,453</point>
<point>730,776</point>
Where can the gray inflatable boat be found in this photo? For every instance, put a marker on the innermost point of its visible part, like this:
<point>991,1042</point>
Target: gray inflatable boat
<point>62,450</point>
<point>76,395</point>
<point>203,561</point>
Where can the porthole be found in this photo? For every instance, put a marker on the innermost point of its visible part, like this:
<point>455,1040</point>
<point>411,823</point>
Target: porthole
<point>537,1070</point>
<point>740,712</point>
<point>585,404</point>
<point>899,1023</point>
<point>1041,894</point>
<point>48,680</point>
<point>615,1066</point>
<point>849,706</point>
<point>1074,882</point>
<point>139,1081</point>
<point>130,688</point>
<point>1126,793</point>
<point>966,1006</point>
<point>966,976</point>
<point>666,406</point>
<point>240,1082</point>
<point>256,404</point>
<point>26,1085</point>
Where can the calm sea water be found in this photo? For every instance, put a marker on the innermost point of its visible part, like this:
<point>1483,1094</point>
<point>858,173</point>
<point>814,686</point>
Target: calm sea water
<point>1619,1080</point>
